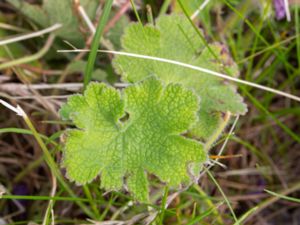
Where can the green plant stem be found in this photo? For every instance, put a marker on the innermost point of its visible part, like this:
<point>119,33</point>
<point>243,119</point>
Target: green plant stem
<point>52,165</point>
<point>29,168</point>
<point>223,194</point>
<point>92,203</point>
<point>273,199</point>
<point>25,131</point>
<point>297,28</point>
<point>283,196</point>
<point>244,89</point>
<point>45,198</point>
<point>149,15</point>
<point>292,134</point>
<point>198,32</point>
<point>163,205</point>
<point>210,204</point>
<point>214,137</point>
<point>36,162</point>
<point>254,48</point>
<point>136,12</point>
<point>233,18</point>
<point>245,215</point>
<point>164,7</point>
<point>51,203</point>
<point>271,47</point>
<point>96,42</point>
<point>30,58</point>
<point>107,208</point>
<point>250,25</point>
<point>200,218</point>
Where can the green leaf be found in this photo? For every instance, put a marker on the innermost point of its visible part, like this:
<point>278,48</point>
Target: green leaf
<point>58,11</point>
<point>61,12</point>
<point>79,66</point>
<point>174,38</point>
<point>127,135</point>
<point>207,15</point>
<point>33,12</point>
<point>114,34</point>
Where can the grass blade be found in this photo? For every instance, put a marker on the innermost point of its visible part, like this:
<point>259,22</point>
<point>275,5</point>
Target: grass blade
<point>283,196</point>
<point>202,216</point>
<point>96,42</point>
<point>297,28</point>
<point>224,196</point>
<point>243,217</point>
<point>30,58</point>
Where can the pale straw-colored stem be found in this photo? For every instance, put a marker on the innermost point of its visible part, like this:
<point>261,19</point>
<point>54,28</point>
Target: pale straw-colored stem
<point>30,35</point>
<point>201,69</point>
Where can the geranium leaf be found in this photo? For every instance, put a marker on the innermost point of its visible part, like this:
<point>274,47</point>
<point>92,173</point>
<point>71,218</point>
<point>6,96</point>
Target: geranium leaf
<point>127,135</point>
<point>174,38</point>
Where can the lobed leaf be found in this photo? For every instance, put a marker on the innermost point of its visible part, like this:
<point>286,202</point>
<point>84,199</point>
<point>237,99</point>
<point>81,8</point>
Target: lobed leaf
<point>174,38</point>
<point>127,135</point>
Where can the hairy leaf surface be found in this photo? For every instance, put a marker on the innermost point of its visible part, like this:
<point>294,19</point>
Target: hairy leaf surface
<point>174,38</point>
<point>127,135</point>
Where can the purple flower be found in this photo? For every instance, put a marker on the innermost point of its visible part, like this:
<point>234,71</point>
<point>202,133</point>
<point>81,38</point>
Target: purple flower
<point>279,9</point>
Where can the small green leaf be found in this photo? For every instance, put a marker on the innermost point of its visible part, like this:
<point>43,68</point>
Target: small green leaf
<point>114,34</point>
<point>129,134</point>
<point>174,38</point>
<point>61,12</point>
<point>58,11</point>
<point>79,66</point>
<point>34,12</point>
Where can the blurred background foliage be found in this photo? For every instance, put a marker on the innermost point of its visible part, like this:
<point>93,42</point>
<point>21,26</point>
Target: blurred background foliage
<point>267,51</point>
